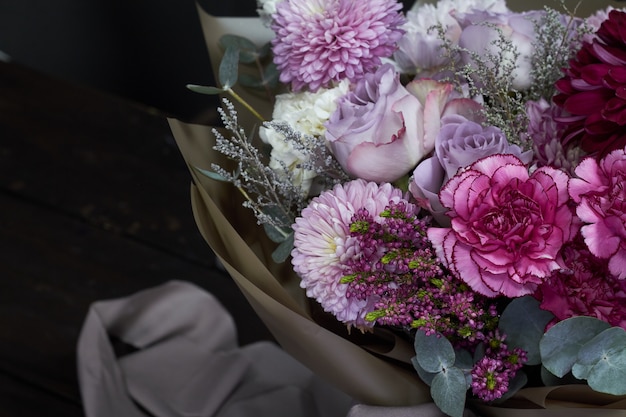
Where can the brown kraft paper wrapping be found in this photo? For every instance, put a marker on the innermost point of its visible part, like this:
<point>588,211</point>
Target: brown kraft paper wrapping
<point>373,369</point>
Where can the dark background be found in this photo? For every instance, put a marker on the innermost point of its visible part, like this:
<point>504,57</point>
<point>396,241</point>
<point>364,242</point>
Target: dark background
<point>143,50</point>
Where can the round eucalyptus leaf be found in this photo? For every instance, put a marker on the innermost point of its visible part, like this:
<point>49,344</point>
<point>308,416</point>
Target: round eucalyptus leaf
<point>560,345</point>
<point>434,352</point>
<point>282,251</point>
<point>247,49</point>
<point>427,377</point>
<point>448,390</point>
<point>229,67</point>
<point>524,322</point>
<point>605,357</point>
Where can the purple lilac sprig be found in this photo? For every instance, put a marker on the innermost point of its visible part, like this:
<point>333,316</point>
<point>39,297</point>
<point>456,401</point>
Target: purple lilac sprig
<point>492,374</point>
<point>399,270</point>
<point>410,288</point>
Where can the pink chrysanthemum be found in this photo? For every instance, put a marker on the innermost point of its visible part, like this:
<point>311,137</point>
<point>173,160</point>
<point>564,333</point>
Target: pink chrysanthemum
<point>323,246</point>
<point>320,41</point>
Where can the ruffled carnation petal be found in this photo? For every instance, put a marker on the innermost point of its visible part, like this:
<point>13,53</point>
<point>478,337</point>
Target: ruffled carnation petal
<point>507,225</point>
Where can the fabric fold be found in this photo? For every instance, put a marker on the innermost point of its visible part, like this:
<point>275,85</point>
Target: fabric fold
<point>186,361</point>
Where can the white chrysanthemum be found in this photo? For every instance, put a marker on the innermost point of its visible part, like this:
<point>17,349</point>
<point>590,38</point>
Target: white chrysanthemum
<point>265,9</point>
<point>306,112</point>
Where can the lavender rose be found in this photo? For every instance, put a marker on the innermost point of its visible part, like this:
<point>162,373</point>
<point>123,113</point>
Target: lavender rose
<point>374,133</point>
<point>481,31</point>
<point>508,226</point>
<point>460,142</point>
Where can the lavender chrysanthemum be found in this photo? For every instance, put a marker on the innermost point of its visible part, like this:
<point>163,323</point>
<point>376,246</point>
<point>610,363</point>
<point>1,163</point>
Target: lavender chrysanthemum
<point>321,41</point>
<point>323,246</point>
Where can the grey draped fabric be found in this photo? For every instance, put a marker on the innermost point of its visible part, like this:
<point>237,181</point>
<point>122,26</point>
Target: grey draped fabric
<point>187,363</point>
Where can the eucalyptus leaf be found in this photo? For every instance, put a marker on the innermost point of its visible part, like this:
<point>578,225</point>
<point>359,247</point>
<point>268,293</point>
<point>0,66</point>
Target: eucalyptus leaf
<point>551,380</point>
<point>560,345</point>
<point>427,377</point>
<point>251,81</point>
<point>463,359</point>
<point>229,67</point>
<point>247,49</point>
<point>605,355</point>
<point>278,214</point>
<point>265,50</point>
<point>205,89</point>
<point>465,362</point>
<point>271,75</point>
<point>524,323</point>
<point>276,234</point>
<point>448,391</point>
<point>282,252</point>
<point>211,174</point>
<point>434,353</point>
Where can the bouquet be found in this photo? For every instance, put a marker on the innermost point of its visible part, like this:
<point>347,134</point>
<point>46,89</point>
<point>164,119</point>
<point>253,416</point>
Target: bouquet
<point>437,196</point>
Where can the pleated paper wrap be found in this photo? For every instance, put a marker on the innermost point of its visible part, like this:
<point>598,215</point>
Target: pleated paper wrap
<point>373,369</point>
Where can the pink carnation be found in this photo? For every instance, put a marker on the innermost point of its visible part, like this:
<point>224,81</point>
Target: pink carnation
<point>601,198</point>
<point>323,246</point>
<point>507,226</point>
<point>321,41</point>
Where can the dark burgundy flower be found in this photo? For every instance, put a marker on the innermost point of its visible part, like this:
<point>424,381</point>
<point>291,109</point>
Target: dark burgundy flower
<point>593,90</point>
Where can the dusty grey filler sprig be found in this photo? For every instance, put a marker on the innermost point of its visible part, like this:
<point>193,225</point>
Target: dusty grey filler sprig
<point>272,196</point>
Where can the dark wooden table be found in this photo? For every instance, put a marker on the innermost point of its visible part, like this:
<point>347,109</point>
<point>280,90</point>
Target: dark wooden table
<point>94,204</point>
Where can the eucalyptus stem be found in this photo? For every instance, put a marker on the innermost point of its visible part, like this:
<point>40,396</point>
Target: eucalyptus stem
<point>245,104</point>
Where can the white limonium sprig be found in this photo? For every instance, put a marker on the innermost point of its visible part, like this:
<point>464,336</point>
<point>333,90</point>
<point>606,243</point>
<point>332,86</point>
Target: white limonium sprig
<point>298,149</point>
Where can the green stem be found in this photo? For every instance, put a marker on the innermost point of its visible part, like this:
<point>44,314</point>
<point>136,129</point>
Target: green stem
<point>245,104</point>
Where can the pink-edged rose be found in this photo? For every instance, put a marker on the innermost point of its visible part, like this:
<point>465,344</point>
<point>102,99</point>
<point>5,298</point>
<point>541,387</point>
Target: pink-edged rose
<point>601,198</point>
<point>507,225</point>
<point>374,131</point>
<point>381,130</point>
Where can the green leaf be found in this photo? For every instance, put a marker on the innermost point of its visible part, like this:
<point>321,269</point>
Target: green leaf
<point>427,377</point>
<point>211,174</point>
<point>560,345</point>
<point>434,353</point>
<point>604,357</point>
<point>278,214</point>
<point>205,89</point>
<point>282,252</point>
<point>265,50</point>
<point>229,67</point>
<point>251,81</point>
<point>270,75</point>
<point>448,391</point>
<point>465,362</point>
<point>524,322</point>
<point>247,49</point>
<point>276,234</point>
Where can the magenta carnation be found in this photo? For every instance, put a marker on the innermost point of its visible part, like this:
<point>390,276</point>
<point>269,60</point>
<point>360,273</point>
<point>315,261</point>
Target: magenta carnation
<point>323,247</point>
<point>584,288</point>
<point>321,41</point>
<point>601,198</point>
<point>507,226</point>
<point>593,90</point>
